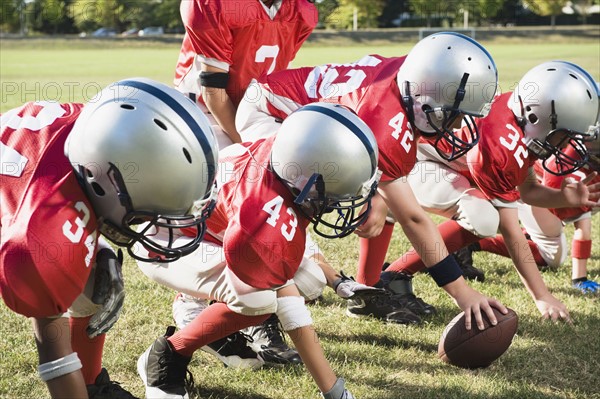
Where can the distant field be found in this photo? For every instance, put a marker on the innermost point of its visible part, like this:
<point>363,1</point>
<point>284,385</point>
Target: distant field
<point>545,361</point>
<point>75,70</point>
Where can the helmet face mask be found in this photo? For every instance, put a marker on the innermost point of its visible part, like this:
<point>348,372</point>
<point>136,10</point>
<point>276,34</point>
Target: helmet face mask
<point>348,212</point>
<point>144,154</point>
<point>327,157</point>
<point>556,104</point>
<point>446,77</point>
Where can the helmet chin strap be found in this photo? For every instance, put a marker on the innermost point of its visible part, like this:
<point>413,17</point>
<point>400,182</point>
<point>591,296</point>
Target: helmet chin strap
<point>315,180</point>
<point>408,103</point>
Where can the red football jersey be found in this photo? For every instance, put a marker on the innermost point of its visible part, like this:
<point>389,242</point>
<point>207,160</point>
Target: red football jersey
<point>49,231</point>
<point>500,161</point>
<point>369,88</point>
<point>262,234</point>
<point>554,181</point>
<point>241,36</point>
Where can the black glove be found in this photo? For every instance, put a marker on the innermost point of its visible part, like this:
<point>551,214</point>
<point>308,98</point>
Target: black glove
<point>108,292</point>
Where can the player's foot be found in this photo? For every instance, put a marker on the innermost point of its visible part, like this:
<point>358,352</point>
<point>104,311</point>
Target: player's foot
<point>232,350</point>
<point>235,351</point>
<point>269,343</point>
<point>586,286</point>
<point>104,388</point>
<point>464,257</point>
<point>381,305</point>
<point>399,284</point>
<point>164,371</point>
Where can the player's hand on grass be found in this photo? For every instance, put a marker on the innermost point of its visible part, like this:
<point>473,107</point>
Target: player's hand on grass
<point>552,309</point>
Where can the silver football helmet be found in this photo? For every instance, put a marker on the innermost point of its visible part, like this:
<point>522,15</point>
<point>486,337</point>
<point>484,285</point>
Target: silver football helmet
<point>444,77</point>
<point>556,103</point>
<point>327,156</point>
<point>144,153</point>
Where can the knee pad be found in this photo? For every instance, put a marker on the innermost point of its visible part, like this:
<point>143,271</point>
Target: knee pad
<point>552,249</point>
<point>59,367</point>
<point>477,215</point>
<point>310,279</point>
<point>293,313</point>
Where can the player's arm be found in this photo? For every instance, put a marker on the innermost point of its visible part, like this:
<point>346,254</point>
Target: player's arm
<point>571,193</point>
<point>427,241</point>
<point>297,322</point>
<point>375,221</point>
<point>520,253</point>
<point>213,82</point>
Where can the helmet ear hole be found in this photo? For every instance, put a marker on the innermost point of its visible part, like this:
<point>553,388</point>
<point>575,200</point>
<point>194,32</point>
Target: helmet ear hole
<point>532,118</point>
<point>98,189</point>
<point>187,155</point>
<point>160,124</point>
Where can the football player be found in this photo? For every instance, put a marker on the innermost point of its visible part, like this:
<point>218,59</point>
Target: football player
<point>549,117</point>
<point>253,261</point>
<point>544,227</point>
<point>229,42</point>
<point>447,78</point>
<point>71,172</point>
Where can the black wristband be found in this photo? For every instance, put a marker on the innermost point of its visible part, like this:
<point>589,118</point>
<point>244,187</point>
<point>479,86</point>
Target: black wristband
<point>445,271</point>
<point>214,79</point>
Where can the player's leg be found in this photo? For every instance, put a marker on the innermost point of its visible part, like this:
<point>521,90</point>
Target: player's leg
<point>90,350</point>
<point>444,192</point>
<point>192,277</point>
<point>205,275</point>
<point>581,251</point>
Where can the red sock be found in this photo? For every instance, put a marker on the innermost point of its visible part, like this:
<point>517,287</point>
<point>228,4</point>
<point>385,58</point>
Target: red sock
<point>496,245</point>
<point>372,255</point>
<point>455,238</point>
<point>215,322</point>
<point>89,350</point>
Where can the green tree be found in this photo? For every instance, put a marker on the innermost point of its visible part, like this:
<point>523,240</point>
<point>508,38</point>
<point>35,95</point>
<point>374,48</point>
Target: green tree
<point>368,12</point>
<point>546,8</point>
<point>12,15</point>
<point>53,16</point>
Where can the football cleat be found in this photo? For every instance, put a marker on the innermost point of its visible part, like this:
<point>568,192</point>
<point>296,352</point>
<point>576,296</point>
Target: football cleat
<point>104,388</point>
<point>399,284</point>
<point>587,286</point>
<point>235,351</point>
<point>269,343</point>
<point>164,371</point>
<point>232,350</point>
<point>380,305</point>
<point>464,258</point>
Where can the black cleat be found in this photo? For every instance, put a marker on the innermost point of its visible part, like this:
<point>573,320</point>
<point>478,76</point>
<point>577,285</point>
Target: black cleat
<point>464,258</point>
<point>164,371</point>
<point>104,388</point>
<point>399,284</point>
<point>269,342</point>
<point>235,351</point>
<point>381,305</point>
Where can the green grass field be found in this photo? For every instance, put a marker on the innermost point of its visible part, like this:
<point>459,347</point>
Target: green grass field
<point>546,360</point>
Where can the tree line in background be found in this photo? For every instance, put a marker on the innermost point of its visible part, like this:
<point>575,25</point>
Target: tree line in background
<point>75,16</point>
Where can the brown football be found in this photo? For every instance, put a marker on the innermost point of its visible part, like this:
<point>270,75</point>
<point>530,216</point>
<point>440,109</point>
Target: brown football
<point>477,348</point>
